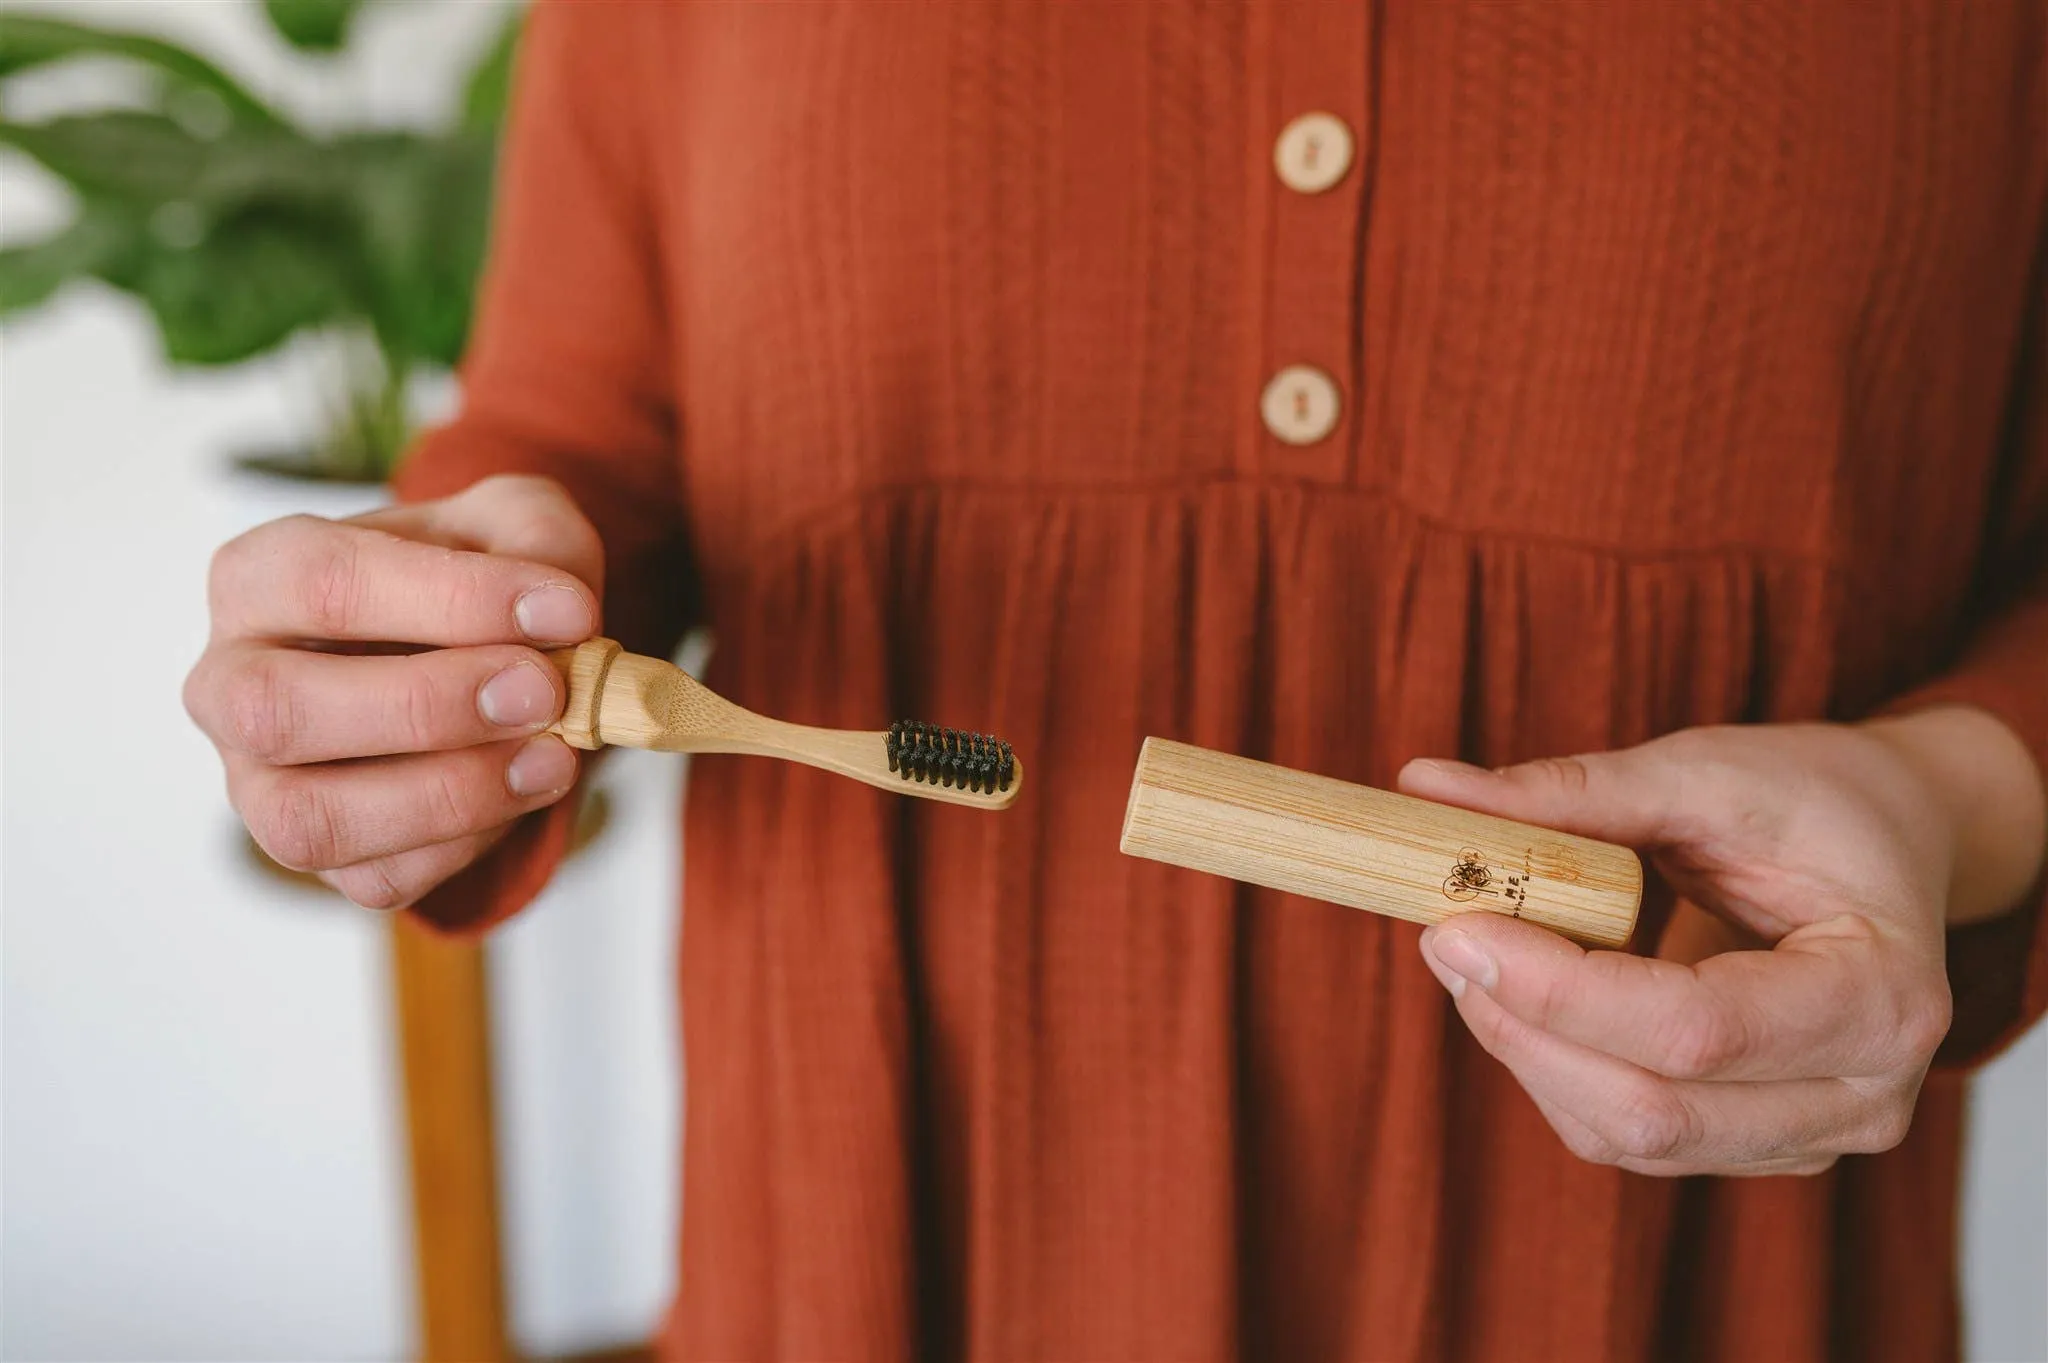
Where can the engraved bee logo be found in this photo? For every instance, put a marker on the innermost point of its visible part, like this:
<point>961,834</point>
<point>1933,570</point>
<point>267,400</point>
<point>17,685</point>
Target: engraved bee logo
<point>1469,878</point>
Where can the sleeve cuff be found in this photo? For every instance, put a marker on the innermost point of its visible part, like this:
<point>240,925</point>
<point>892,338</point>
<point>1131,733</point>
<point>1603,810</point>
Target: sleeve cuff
<point>1998,969</point>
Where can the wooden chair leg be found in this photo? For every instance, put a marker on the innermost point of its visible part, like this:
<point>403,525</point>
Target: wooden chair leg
<point>444,1040</point>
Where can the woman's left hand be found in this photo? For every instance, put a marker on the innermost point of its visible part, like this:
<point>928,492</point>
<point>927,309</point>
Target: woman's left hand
<point>1838,846</point>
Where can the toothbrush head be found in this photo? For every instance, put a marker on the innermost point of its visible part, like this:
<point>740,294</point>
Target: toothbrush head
<point>975,762</point>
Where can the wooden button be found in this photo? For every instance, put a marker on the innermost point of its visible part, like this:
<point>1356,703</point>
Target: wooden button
<point>1312,153</point>
<point>1300,405</point>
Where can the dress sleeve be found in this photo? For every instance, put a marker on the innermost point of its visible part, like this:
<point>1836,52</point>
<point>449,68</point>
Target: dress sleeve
<point>567,372</point>
<point>1998,969</point>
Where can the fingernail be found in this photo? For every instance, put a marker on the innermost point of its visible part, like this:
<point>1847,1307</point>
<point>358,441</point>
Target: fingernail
<point>545,765</point>
<point>1458,953</point>
<point>517,698</point>
<point>553,615</point>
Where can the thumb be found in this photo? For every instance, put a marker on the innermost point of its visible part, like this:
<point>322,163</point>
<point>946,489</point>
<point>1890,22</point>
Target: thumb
<point>1629,797</point>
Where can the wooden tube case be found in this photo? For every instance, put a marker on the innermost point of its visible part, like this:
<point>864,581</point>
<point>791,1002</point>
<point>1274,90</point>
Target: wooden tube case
<point>1373,849</point>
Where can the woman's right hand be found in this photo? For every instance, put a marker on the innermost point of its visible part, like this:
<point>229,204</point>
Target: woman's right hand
<point>352,753</point>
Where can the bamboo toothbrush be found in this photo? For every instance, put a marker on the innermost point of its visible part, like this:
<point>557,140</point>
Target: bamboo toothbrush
<point>631,701</point>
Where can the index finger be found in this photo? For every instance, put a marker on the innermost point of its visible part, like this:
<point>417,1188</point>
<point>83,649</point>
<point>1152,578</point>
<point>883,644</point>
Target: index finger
<point>1831,1000</point>
<point>307,578</point>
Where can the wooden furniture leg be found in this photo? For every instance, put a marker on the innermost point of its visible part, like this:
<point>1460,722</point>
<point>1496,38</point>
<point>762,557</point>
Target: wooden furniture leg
<point>443,1012</point>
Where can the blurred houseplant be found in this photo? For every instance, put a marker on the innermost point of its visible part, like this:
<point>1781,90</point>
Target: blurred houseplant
<point>239,229</point>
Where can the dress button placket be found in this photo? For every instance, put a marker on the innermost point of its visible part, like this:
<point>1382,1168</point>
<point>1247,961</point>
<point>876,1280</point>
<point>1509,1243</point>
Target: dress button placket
<point>1319,68</point>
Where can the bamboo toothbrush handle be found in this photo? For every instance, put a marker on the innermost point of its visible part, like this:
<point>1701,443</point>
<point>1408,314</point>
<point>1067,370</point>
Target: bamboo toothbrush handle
<point>1372,849</point>
<point>583,668</point>
<point>623,699</point>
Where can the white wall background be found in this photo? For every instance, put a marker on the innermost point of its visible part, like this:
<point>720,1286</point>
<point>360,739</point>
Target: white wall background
<point>202,1150</point>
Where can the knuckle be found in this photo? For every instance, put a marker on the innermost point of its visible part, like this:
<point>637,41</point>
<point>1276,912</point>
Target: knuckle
<point>1552,1002</point>
<point>249,564</point>
<point>299,827</point>
<point>457,801</point>
<point>1703,1043</point>
<point>223,575</point>
<point>329,588</point>
<point>197,693</point>
<point>1894,1126</point>
<point>1844,994</point>
<point>1925,1021</point>
<point>1886,1119</point>
<point>1706,743</point>
<point>1648,1124</point>
<point>418,710</point>
<point>371,886</point>
<point>237,566</point>
<point>1587,1144</point>
<point>246,549</point>
<point>1568,774</point>
<point>1886,1128</point>
<point>479,589</point>
<point>261,714</point>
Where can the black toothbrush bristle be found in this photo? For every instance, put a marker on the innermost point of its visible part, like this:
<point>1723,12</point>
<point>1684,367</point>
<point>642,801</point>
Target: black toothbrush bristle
<point>936,756</point>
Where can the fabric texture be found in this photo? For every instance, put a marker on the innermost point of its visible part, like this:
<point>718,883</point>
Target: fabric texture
<point>1690,360</point>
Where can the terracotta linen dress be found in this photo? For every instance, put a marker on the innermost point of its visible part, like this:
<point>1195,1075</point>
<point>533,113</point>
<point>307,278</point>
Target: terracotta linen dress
<point>1689,360</point>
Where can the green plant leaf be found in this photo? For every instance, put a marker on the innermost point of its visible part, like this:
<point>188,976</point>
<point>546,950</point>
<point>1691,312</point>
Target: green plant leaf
<point>246,286</point>
<point>423,209</point>
<point>148,159</point>
<point>313,25</point>
<point>238,231</point>
<point>143,157</point>
<point>30,40</point>
<point>490,85</point>
<point>98,239</point>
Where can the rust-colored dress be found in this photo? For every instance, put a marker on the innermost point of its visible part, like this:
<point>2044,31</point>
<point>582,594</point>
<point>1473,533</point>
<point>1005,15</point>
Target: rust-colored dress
<point>1688,360</point>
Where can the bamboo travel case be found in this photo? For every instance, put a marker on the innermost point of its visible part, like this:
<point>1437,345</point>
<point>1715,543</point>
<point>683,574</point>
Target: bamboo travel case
<point>1372,849</point>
